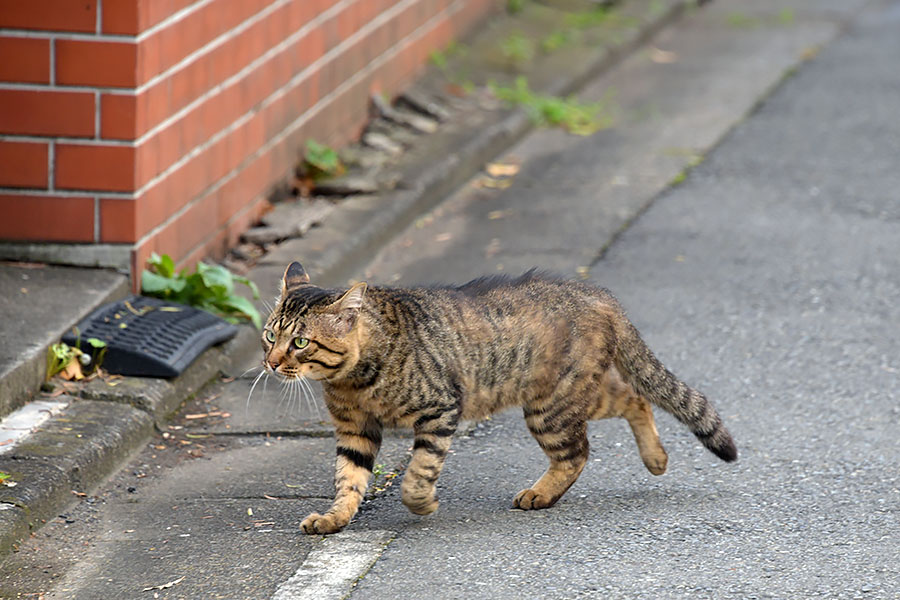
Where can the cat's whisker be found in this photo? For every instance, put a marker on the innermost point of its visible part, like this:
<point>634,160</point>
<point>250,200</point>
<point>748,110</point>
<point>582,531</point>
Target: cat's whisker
<point>310,396</point>
<point>241,376</point>
<point>252,387</point>
<point>301,395</point>
<point>282,397</point>
<point>292,393</point>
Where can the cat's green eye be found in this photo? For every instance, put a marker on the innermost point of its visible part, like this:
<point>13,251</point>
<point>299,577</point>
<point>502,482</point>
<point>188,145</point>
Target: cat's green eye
<point>301,343</point>
<point>270,336</point>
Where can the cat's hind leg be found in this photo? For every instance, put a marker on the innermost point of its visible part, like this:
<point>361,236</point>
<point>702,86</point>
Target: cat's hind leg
<point>618,399</point>
<point>640,418</point>
<point>560,428</point>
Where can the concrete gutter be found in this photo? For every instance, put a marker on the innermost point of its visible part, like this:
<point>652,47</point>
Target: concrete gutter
<point>74,451</point>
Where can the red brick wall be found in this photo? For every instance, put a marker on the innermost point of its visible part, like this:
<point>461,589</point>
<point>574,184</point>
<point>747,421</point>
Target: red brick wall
<point>161,125</point>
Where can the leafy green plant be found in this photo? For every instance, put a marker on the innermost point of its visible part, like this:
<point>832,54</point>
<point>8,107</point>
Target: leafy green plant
<point>209,287</point>
<point>321,161</point>
<point>514,7</point>
<point>58,357</point>
<point>557,39</point>
<point>568,113</point>
<point>785,16</point>
<point>742,21</point>
<point>441,58</point>
<point>72,361</point>
<point>600,16</point>
<point>517,48</point>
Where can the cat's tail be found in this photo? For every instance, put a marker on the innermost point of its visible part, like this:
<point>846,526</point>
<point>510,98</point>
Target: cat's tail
<point>654,382</point>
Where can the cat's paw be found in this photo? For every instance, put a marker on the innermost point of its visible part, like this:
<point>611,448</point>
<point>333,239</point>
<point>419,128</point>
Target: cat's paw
<point>420,506</point>
<point>656,463</point>
<point>531,500</point>
<point>418,496</point>
<point>316,523</point>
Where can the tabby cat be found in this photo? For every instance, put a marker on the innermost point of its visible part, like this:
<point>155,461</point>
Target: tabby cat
<point>428,357</point>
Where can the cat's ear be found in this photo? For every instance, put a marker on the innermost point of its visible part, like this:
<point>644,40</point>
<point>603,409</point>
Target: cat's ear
<point>294,276</point>
<point>346,309</point>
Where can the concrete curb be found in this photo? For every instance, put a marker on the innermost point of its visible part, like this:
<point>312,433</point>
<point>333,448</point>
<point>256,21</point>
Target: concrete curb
<point>78,449</point>
<point>18,383</point>
<point>103,425</point>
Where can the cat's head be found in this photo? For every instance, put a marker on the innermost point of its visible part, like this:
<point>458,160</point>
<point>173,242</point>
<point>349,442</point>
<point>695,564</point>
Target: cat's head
<point>313,332</point>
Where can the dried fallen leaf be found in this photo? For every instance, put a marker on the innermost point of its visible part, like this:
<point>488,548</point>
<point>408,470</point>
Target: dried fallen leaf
<point>662,57</point>
<point>79,494</point>
<point>72,371</point>
<point>164,586</point>
<point>443,237</point>
<point>495,184</point>
<point>493,248</point>
<point>216,413</point>
<point>268,497</point>
<point>498,214</point>
<point>809,53</point>
<point>502,169</point>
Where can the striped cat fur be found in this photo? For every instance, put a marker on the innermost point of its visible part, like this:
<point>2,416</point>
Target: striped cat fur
<point>429,357</point>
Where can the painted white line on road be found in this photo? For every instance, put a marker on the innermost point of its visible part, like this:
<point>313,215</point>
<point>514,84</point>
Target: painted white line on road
<point>16,425</point>
<point>334,565</point>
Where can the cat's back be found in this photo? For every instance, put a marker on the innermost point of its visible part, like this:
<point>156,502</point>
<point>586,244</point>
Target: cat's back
<point>489,309</point>
<point>535,290</point>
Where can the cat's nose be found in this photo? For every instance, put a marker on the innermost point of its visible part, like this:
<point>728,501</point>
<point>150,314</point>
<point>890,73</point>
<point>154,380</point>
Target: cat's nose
<point>273,364</point>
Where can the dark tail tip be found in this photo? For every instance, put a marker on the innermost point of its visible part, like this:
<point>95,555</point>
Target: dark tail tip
<point>720,443</point>
<point>727,451</point>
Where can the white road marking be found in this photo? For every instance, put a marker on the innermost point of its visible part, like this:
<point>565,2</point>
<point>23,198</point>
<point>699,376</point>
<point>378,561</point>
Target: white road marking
<point>334,565</point>
<point>18,424</point>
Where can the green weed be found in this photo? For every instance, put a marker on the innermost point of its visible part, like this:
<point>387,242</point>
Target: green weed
<point>568,113</point>
<point>517,48</point>
<point>558,39</point>
<point>209,287</point>
<point>321,162</point>
<point>742,21</point>
<point>786,16</point>
<point>514,7</point>
<point>598,17</point>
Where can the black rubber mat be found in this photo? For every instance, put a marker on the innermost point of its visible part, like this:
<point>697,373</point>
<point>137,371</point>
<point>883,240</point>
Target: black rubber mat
<point>149,337</point>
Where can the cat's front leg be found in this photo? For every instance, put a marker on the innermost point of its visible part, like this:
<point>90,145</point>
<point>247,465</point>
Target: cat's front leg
<point>434,432</point>
<point>358,440</point>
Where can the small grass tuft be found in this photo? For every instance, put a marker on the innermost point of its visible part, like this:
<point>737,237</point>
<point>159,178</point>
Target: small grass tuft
<point>570,114</point>
<point>517,48</point>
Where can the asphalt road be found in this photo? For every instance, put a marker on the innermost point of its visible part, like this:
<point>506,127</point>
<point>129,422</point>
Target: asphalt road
<point>767,278</point>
